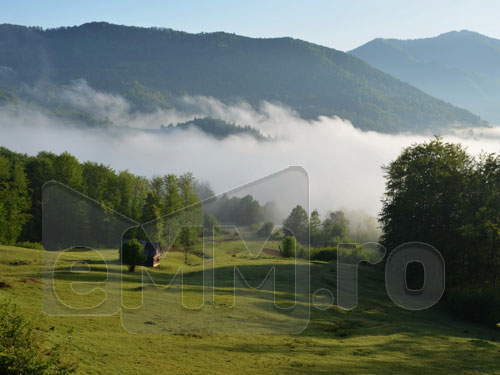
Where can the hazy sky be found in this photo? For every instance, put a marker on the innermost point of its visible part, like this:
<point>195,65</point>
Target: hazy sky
<point>339,24</point>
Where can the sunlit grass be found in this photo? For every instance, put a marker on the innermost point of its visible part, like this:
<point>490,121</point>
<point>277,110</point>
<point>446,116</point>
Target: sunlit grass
<point>377,337</point>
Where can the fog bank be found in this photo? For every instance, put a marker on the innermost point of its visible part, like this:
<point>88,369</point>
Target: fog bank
<point>344,163</point>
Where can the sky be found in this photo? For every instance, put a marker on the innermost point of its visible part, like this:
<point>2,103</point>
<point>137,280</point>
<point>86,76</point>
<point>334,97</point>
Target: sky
<point>343,25</point>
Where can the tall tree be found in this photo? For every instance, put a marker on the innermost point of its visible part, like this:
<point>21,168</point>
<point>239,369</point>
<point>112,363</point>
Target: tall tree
<point>297,224</point>
<point>335,228</point>
<point>315,227</point>
<point>424,200</point>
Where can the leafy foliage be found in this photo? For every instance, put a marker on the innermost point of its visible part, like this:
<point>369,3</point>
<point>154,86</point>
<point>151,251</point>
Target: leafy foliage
<point>438,194</point>
<point>210,225</point>
<point>22,178</point>
<point>288,247</point>
<point>132,254</point>
<point>297,224</point>
<point>480,306</point>
<point>23,350</point>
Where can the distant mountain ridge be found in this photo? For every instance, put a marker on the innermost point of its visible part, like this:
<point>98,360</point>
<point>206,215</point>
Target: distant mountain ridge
<point>461,67</point>
<point>151,67</point>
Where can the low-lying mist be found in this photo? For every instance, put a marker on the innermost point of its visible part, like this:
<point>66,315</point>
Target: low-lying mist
<point>344,163</point>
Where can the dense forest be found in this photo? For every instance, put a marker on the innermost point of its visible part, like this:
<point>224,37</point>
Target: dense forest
<point>152,68</point>
<point>22,178</point>
<point>217,128</point>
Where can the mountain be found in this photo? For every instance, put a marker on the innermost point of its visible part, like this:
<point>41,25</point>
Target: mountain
<point>152,67</point>
<point>462,68</point>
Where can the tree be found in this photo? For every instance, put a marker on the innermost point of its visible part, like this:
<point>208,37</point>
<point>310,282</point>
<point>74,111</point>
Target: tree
<point>315,228</point>
<point>210,225</point>
<point>39,170</point>
<point>335,228</point>
<point>186,240</point>
<point>241,211</point>
<point>24,350</point>
<point>426,199</point>
<point>14,198</point>
<point>173,200</point>
<point>132,254</point>
<point>297,224</point>
<point>287,247</point>
<point>100,184</point>
<point>68,171</point>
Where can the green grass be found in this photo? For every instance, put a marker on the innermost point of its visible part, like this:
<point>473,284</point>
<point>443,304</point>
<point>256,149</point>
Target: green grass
<point>375,338</point>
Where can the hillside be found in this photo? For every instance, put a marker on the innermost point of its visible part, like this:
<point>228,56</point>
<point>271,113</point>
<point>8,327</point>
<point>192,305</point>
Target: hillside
<point>462,68</point>
<point>153,67</point>
<point>376,337</point>
<point>218,129</point>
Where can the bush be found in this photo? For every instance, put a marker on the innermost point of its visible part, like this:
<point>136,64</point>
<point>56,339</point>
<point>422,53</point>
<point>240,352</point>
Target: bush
<point>325,254</point>
<point>302,252</point>
<point>30,245</point>
<point>480,306</point>
<point>287,247</point>
<point>132,254</point>
<point>22,351</point>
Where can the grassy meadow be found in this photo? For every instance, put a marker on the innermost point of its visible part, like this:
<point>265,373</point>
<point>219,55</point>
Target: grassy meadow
<point>375,338</point>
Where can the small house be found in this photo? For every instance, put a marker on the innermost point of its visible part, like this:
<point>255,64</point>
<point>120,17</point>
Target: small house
<point>152,252</point>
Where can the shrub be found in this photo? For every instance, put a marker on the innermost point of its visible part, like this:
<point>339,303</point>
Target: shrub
<point>287,247</point>
<point>132,254</point>
<point>23,351</point>
<point>480,306</point>
<point>30,245</point>
<point>325,254</point>
<point>302,252</point>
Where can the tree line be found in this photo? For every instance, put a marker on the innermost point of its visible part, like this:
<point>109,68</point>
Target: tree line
<point>334,229</point>
<point>22,178</point>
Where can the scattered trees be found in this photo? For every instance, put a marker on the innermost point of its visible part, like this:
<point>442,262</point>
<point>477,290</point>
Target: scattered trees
<point>333,230</point>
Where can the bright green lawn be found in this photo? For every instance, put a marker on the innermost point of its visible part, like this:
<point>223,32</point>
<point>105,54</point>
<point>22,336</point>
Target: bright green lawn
<point>375,338</point>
